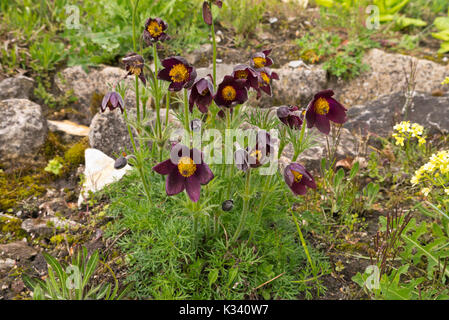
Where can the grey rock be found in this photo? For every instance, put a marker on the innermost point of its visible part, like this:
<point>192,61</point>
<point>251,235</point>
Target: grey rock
<point>23,128</point>
<point>48,225</point>
<point>201,55</point>
<point>97,83</point>
<point>387,75</point>
<point>19,87</point>
<point>379,116</point>
<point>296,86</point>
<point>6,264</point>
<point>108,132</point>
<point>18,250</point>
<point>223,69</point>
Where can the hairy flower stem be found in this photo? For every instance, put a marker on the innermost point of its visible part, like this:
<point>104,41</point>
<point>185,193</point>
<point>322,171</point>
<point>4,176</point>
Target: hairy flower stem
<point>138,159</point>
<point>137,101</point>
<point>214,48</point>
<point>134,6</point>
<point>246,198</point>
<point>156,93</point>
<point>186,113</point>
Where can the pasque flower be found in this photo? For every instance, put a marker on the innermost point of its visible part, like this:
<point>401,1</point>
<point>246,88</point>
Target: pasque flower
<point>179,72</point>
<point>256,156</point>
<point>154,30</point>
<point>323,109</point>
<point>290,116</point>
<point>112,100</point>
<point>298,178</point>
<point>247,73</point>
<point>185,169</point>
<point>266,76</point>
<point>231,92</point>
<point>261,59</point>
<point>202,94</point>
<point>207,13</point>
<point>134,64</point>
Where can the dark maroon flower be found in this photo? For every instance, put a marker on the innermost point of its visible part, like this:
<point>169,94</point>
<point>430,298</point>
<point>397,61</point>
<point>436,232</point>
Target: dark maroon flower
<point>266,76</point>
<point>202,94</point>
<point>134,64</point>
<point>322,109</point>
<point>248,74</point>
<point>260,59</point>
<point>298,178</point>
<point>154,30</point>
<point>290,116</point>
<point>187,170</point>
<point>112,100</point>
<point>179,72</point>
<point>231,92</point>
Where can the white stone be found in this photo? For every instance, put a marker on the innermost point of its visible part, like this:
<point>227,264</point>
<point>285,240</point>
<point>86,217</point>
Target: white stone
<point>99,172</point>
<point>68,127</point>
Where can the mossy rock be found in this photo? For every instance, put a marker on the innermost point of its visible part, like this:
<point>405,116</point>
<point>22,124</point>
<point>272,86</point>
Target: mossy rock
<point>10,229</point>
<point>75,155</point>
<point>14,189</point>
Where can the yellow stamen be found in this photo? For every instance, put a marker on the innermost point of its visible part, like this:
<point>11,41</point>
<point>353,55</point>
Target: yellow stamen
<point>265,77</point>
<point>322,106</point>
<point>259,62</point>
<point>186,167</point>
<point>179,73</point>
<point>256,154</point>
<point>228,93</point>
<point>297,175</point>
<point>135,70</point>
<point>241,74</point>
<point>155,29</point>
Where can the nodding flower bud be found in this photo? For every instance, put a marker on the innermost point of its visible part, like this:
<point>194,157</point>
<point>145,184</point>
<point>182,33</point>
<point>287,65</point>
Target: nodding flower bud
<point>227,205</point>
<point>120,163</point>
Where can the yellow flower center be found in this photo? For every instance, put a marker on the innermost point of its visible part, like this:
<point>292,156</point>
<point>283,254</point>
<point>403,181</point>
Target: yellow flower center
<point>265,77</point>
<point>135,70</point>
<point>256,154</point>
<point>322,106</point>
<point>228,93</point>
<point>155,29</point>
<point>186,167</point>
<point>241,74</point>
<point>179,73</point>
<point>259,62</point>
<point>204,92</point>
<point>297,175</point>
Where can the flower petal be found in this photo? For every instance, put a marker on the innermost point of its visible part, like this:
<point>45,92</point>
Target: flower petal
<point>204,173</point>
<point>322,123</point>
<point>174,183</point>
<point>165,167</point>
<point>193,188</point>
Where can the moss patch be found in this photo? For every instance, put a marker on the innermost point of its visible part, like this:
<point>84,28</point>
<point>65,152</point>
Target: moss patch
<point>75,155</point>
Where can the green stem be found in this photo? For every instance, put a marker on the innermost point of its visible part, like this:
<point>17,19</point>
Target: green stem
<point>303,242</point>
<point>139,164</point>
<point>156,93</point>
<point>186,112</point>
<point>137,101</point>
<point>261,206</point>
<point>245,207</point>
<point>214,48</point>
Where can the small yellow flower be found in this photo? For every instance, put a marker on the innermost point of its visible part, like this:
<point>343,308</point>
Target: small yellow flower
<point>445,81</point>
<point>446,191</point>
<point>425,191</point>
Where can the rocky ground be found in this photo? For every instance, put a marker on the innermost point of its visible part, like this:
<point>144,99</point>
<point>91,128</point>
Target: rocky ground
<point>49,217</point>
